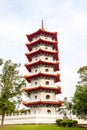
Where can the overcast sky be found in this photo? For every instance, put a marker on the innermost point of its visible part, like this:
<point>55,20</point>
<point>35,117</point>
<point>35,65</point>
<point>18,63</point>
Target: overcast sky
<point>67,17</point>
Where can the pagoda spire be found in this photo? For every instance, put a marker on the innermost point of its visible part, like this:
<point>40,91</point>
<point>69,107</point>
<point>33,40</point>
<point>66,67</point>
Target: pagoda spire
<point>42,25</point>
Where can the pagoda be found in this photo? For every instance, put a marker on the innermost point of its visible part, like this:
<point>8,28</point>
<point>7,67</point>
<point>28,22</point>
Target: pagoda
<point>43,68</point>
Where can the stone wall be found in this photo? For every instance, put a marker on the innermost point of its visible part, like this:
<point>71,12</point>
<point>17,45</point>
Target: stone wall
<point>36,119</point>
<point>30,119</point>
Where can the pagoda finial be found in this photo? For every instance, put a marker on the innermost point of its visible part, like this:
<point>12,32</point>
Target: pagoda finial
<point>42,25</point>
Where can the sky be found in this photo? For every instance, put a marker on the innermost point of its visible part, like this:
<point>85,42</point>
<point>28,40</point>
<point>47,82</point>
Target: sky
<point>67,17</point>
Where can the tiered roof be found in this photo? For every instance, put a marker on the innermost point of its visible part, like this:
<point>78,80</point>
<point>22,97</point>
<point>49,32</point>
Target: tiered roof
<point>41,31</point>
<point>41,103</point>
<point>48,75</point>
<point>35,89</point>
<point>46,63</point>
<point>31,44</point>
<point>39,51</point>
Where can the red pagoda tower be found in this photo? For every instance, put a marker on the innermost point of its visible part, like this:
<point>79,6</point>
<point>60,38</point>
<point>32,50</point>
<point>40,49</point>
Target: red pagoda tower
<point>43,70</point>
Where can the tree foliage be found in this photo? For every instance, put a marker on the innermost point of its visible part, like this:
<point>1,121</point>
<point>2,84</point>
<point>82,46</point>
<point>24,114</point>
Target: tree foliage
<point>1,61</point>
<point>11,84</point>
<point>66,108</point>
<point>80,95</point>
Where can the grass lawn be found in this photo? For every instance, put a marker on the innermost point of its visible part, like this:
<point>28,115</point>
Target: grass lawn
<point>38,127</point>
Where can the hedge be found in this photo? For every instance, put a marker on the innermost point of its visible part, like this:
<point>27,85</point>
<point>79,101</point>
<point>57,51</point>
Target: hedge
<point>69,123</point>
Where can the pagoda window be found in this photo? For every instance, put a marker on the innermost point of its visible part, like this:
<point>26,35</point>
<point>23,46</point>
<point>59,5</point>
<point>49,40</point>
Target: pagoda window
<point>46,58</point>
<point>47,83</point>
<point>35,83</point>
<point>35,70</point>
<point>35,97</point>
<point>46,47</point>
<point>46,70</point>
<point>47,97</point>
<point>49,111</point>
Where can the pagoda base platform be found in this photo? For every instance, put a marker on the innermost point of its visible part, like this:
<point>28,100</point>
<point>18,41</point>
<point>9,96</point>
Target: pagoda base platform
<point>32,119</point>
<point>37,119</point>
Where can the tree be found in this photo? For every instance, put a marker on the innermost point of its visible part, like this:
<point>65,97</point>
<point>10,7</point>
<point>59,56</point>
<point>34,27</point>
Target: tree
<point>1,61</point>
<point>11,84</point>
<point>66,108</point>
<point>80,95</point>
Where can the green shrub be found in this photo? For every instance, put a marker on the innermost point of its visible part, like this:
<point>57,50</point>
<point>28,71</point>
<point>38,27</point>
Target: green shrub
<point>58,122</point>
<point>75,122</point>
<point>63,123</point>
<point>69,123</point>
